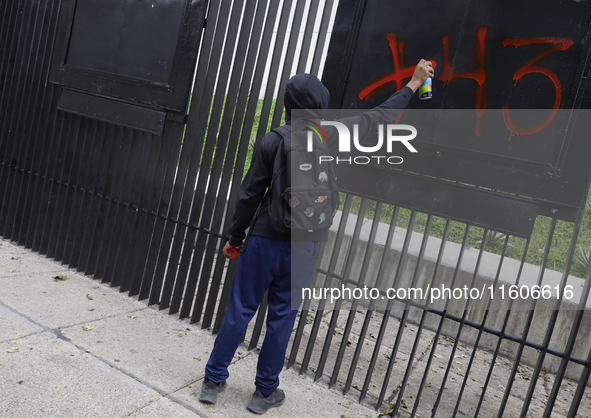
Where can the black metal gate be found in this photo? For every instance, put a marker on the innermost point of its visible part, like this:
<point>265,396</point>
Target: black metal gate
<point>117,179</point>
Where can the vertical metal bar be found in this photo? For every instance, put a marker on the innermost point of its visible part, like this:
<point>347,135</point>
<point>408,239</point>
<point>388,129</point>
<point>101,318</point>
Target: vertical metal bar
<point>160,193</point>
<point>331,268</point>
<point>233,114</point>
<point>362,279</point>
<point>10,28</point>
<point>552,322</point>
<point>203,214</point>
<point>322,36</point>
<point>379,282</point>
<point>6,10</point>
<point>45,202</point>
<point>27,116</point>
<point>580,391</point>
<point>71,126</point>
<point>126,174</point>
<point>424,315</point>
<point>184,190</point>
<point>244,140</point>
<point>276,62</point>
<point>70,210</point>
<point>153,272</point>
<point>11,103</point>
<point>38,188</point>
<point>148,175</point>
<point>574,329</point>
<point>439,328</point>
<point>384,325</point>
<point>192,202</point>
<point>346,273</point>
<point>79,193</point>
<point>8,67</point>
<point>569,346</point>
<point>102,189</point>
<point>9,49</point>
<point>483,243</point>
<point>288,65</point>
<point>481,328</point>
<point>116,139</point>
<point>239,142</point>
<point>501,337</point>
<point>308,32</point>
<point>528,323</point>
<point>69,189</point>
<point>404,318</point>
<point>87,220</point>
<point>42,126</point>
<point>127,218</point>
<point>19,105</point>
<point>78,124</point>
<point>465,313</point>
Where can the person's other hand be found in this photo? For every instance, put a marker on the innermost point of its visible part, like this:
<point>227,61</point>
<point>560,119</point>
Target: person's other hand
<point>423,70</point>
<point>227,248</point>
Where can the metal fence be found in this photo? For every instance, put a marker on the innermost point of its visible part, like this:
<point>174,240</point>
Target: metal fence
<point>146,213</point>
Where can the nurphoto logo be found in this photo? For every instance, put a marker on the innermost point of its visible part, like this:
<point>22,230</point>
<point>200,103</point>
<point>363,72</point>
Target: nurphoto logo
<point>385,135</point>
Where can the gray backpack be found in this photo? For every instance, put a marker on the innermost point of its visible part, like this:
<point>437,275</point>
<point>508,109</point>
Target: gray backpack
<point>309,201</point>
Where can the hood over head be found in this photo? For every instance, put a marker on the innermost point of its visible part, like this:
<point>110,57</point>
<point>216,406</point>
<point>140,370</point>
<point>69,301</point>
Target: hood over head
<point>305,91</point>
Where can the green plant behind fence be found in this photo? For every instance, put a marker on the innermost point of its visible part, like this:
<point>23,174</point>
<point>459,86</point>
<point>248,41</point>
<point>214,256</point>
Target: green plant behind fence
<point>494,241</point>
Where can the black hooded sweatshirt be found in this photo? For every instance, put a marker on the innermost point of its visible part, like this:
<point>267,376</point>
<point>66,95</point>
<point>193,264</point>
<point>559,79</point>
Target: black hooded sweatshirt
<point>303,91</point>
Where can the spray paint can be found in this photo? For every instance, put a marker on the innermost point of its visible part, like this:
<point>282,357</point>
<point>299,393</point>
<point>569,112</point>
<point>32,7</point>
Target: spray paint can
<point>426,90</point>
<point>233,252</point>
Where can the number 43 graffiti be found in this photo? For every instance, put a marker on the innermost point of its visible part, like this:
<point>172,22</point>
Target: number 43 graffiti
<point>478,74</point>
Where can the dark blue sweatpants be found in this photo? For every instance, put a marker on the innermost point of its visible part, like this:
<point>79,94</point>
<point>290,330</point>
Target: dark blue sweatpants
<point>265,264</point>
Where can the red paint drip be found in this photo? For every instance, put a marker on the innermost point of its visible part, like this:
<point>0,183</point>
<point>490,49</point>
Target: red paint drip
<point>561,44</point>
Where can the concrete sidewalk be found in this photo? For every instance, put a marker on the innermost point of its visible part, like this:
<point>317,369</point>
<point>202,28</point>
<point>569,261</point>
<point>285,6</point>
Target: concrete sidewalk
<point>77,348</point>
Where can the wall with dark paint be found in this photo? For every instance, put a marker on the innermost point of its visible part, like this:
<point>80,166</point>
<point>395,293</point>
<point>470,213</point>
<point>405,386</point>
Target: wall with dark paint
<point>506,55</point>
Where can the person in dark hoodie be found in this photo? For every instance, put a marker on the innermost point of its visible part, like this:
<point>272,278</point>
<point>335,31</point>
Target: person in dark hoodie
<point>266,263</point>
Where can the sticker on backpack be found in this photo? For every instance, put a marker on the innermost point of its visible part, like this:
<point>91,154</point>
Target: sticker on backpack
<point>294,202</point>
<point>306,167</point>
<point>321,199</point>
<point>309,212</point>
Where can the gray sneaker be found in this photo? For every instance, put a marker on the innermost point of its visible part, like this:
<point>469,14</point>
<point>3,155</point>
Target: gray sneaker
<point>259,404</point>
<point>210,390</point>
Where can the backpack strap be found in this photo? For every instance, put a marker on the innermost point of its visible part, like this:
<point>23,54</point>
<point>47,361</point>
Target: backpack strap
<point>283,131</point>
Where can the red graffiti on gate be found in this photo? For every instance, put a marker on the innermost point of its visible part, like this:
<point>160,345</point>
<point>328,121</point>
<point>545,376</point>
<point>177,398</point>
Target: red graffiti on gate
<point>478,74</point>
<point>561,44</point>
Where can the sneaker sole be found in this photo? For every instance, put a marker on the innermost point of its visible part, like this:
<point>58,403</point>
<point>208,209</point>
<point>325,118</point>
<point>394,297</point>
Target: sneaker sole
<point>210,399</point>
<point>254,408</point>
